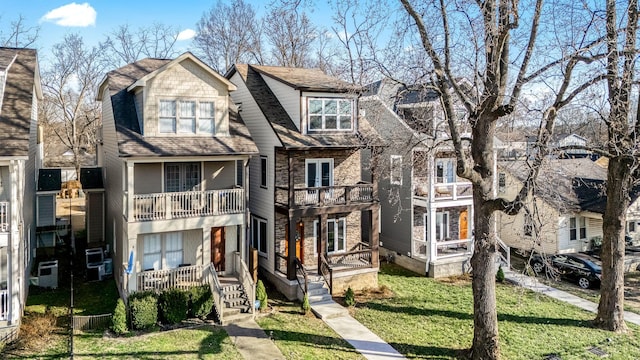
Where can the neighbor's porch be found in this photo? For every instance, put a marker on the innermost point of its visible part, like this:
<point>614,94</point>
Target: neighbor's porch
<point>442,233</point>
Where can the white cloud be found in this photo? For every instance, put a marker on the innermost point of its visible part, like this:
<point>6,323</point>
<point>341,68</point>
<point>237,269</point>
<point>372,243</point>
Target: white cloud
<point>186,35</point>
<point>78,15</point>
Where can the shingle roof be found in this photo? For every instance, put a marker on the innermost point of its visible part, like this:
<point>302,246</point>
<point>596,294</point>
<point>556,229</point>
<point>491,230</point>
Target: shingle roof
<point>281,122</point>
<point>17,100</point>
<point>306,79</point>
<point>132,143</point>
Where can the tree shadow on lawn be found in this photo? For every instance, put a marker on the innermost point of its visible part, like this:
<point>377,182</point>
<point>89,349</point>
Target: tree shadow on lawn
<point>419,311</point>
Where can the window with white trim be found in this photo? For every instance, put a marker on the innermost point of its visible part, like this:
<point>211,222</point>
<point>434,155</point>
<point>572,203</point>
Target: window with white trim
<point>445,171</point>
<point>396,170</point>
<point>577,228</point>
<point>329,114</point>
<point>631,226</point>
<point>186,117</point>
<point>442,225</point>
<point>173,250</point>
<point>240,173</point>
<point>502,182</point>
<point>263,171</point>
<point>336,235</point>
<point>259,235</point>
<point>167,246</point>
<point>152,255</point>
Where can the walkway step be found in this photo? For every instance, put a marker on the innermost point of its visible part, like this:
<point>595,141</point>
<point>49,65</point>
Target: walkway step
<point>328,309</point>
<point>252,342</point>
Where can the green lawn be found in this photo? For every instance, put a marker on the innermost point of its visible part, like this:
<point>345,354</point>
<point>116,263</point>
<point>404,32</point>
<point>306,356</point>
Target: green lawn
<point>92,298</point>
<point>430,319</point>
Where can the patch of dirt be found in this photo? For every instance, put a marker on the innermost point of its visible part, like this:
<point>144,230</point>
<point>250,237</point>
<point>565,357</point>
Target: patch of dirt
<point>632,290</point>
<point>460,280</point>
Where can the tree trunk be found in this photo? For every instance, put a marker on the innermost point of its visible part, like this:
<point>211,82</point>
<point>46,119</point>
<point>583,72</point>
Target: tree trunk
<point>611,307</point>
<point>485,318</point>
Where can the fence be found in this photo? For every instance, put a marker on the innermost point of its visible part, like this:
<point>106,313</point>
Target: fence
<point>91,322</point>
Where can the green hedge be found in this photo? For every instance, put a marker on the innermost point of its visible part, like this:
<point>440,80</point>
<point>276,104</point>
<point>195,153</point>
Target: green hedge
<point>144,310</point>
<point>174,305</point>
<point>119,319</point>
<point>201,301</point>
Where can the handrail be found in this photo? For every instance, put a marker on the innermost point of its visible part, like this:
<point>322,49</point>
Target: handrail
<point>301,271</point>
<point>216,290</point>
<point>326,271</point>
<point>240,268</point>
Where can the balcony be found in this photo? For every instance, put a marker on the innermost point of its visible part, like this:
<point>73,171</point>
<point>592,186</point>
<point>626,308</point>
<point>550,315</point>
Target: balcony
<point>444,191</point>
<point>4,216</point>
<point>182,278</point>
<point>187,204</point>
<point>362,193</point>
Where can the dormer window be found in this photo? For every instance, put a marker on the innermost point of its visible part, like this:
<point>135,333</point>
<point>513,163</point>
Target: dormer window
<point>330,114</point>
<point>186,117</point>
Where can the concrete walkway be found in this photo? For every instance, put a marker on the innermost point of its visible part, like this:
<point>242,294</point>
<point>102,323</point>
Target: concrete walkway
<point>361,338</point>
<point>533,284</point>
<point>252,342</point>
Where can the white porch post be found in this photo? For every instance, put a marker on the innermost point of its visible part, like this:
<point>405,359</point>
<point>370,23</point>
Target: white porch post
<point>130,211</point>
<point>14,245</point>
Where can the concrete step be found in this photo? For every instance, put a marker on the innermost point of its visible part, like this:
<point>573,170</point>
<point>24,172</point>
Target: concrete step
<point>319,298</point>
<point>318,291</point>
<point>328,309</point>
<point>236,318</point>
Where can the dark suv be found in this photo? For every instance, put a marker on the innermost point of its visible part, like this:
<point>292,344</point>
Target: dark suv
<point>578,268</point>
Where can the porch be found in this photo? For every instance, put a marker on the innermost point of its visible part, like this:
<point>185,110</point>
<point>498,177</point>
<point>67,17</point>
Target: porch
<point>441,192</point>
<point>186,204</point>
<point>304,197</point>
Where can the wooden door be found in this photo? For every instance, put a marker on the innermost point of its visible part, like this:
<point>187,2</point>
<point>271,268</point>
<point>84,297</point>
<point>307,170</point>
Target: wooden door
<point>217,248</point>
<point>464,224</point>
<point>299,242</point>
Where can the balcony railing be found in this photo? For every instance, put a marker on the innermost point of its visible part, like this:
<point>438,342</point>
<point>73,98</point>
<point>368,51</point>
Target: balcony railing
<point>4,216</point>
<point>358,257</point>
<point>445,191</point>
<point>178,278</point>
<point>175,205</point>
<point>4,305</point>
<point>327,195</point>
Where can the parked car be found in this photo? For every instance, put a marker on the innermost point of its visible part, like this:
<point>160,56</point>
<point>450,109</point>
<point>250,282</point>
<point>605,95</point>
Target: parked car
<point>578,268</point>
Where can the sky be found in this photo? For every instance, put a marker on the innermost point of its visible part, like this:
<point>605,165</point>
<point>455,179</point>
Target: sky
<point>93,19</point>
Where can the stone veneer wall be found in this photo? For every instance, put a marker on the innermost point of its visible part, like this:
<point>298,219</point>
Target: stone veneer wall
<point>346,166</point>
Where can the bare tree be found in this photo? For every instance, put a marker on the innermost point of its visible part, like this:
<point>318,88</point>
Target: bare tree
<point>19,35</point>
<point>479,49</point>
<point>623,156</point>
<point>229,33</point>
<point>290,34</point>
<point>126,45</point>
<point>70,85</point>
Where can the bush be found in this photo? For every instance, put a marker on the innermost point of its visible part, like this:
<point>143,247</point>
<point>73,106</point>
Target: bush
<point>201,301</point>
<point>119,319</point>
<point>174,305</point>
<point>500,275</point>
<point>261,294</point>
<point>349,297</point>
<point>305,304</point>
<point>144,310</point>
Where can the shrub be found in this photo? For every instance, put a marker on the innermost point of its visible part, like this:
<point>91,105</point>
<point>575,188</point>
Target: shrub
<point>174,305</point>
<point>144,310</point>
<point>500,274</point>
<point>201,301</point>
<point>261,294</point>
<point>349,297</point>
<point>305,304</point>
<point>119,319</point>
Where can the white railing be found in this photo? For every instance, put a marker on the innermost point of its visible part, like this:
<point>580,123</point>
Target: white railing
<point>174,205</point>
<point>243,274</point>
<point>451,248</point>
<point>452,191</point>
<point>211,278</point>
<point>4,216</point>
<point>182,278</point>
<point>420,248</point>
<point>4,305</point>
<point>333,195</point>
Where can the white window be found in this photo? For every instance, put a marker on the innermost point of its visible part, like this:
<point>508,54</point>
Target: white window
<point>263,171</point>
<point>259,235</point>
<point>240,173</point>
<point>157,245</point>
<point>336,235</point>
<point>445,171</point>
<point>631,226</point>
<point>319,172</point>
<point>442,225</point>
<point>396,169</point>
<point>502,182</point>
<point>186,117</point>
<point>577,228</point>
<point>330,114</point>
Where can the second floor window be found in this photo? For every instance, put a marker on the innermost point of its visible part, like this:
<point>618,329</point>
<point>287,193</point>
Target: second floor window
<point>330,114</point>
<point>577,228</point>
<point>445,171</point>
<point>263,171</point>
<point>186,117</point>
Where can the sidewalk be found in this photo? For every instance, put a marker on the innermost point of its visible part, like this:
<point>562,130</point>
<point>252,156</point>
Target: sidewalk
<point>533,284</point>
<point>370,345</point>
<point>252,342</point>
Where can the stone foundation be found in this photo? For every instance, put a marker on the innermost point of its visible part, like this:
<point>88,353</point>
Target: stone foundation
<point>448,267</point>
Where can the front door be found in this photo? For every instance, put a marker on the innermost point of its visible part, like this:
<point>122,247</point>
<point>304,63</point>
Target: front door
<point>217,248</point>
<point>299,241</point>
<point>464,225</point>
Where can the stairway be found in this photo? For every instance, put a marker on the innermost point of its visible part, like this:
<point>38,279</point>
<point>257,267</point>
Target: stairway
<point>236,303</point>
<point>319,298</point>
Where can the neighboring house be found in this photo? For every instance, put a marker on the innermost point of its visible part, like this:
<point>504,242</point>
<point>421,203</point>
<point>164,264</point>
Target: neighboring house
<point>176,156</point>
<point>310,206</point>
<point>20,91</point>
<point>427,210</point>
<point>563,142</point>
<point>565,214</point>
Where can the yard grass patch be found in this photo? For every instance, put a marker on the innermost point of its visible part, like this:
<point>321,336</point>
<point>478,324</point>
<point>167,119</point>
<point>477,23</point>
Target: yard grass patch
<point>430,318</point>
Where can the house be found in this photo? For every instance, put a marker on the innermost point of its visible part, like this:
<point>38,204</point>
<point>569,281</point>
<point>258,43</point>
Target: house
<point>312,210</point>
<point>176,156</point>
<point>427,210</point>
<point>20,91</point>
<point>564,216</point>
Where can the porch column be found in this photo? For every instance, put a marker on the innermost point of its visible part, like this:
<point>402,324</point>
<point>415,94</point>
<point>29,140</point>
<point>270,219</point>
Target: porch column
<point>374,237</point>
<point>322,242</point>
<point>291,255</point>
<point>206,247</point>
<point>130,212</point>
<point>431,232</point>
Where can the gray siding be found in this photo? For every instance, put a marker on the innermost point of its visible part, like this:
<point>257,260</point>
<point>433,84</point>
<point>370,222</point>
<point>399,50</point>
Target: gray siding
<point>289,98</point>
<point>95,217</point>
<point>46,210</point>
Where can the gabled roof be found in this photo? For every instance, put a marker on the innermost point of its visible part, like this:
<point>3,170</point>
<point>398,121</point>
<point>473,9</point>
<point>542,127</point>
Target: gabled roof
<point>21,79</point>
<point>120,83</point>
<point>281,122</point>
<point>306,79</point>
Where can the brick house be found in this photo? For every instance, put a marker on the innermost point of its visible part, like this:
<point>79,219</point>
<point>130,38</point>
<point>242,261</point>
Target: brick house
<point>311,207</point>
